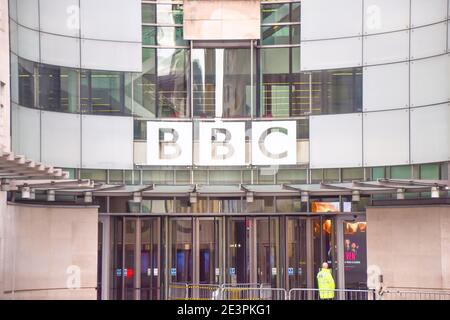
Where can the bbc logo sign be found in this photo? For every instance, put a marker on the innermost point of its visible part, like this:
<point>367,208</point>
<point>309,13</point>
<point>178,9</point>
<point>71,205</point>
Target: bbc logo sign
<point>221,143</point>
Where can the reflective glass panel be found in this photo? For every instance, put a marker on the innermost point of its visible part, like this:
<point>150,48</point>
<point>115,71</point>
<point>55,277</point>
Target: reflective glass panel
<point>145,86</point>
<point>173,66</point>
<point>58,88</point>
<point>204,81</point>
<point>236,82</point>
<point>26,83</point>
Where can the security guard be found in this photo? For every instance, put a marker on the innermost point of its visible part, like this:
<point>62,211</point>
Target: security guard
<point>325,282</point>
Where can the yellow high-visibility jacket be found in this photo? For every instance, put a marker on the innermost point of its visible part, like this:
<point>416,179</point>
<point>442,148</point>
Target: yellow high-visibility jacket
<point>326,284</point>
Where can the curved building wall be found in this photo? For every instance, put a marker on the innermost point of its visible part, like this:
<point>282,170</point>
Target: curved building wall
<point>368,82</point>
<point>403,49</point>
<point>100,34</point>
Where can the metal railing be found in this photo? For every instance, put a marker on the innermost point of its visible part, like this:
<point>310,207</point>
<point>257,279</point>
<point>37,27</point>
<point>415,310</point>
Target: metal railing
<point>413,294</point>
<point>336,294</point>
<point>257,291</point>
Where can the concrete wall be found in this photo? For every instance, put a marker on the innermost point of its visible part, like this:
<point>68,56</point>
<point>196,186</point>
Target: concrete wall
<point>46,248</point>
<point>410,245</point>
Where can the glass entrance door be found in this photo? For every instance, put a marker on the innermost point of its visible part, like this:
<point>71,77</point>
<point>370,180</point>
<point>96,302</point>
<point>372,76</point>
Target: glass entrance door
<point>150,259</point>
<point>136,261</point>
<point>268,267</point>
<point>209,258</point>
<point>181,250</point>
<point>238,259</point>
<point>296,252</point>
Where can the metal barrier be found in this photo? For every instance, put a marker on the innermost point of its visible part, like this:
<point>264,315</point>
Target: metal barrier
<point>254,291</point>
<point>231,293</point>
<point>336,294</point>
<point>178,291</point>
<point>413,294</point>
<point>202,291</point>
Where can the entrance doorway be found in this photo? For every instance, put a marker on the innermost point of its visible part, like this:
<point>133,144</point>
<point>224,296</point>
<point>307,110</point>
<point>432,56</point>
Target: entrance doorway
<point>278,251</point>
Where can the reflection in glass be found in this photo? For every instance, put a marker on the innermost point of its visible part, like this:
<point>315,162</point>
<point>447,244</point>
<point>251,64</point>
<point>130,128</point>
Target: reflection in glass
<point>173,75</point>
<point>284,91</point>
<point>170,36</point>
<point>157,206</point>
<point>148,35</point>
<point>337,91</point>
<point>148,13</point>
<point>58,88</point>
<point>129,266</point>
<point>102,92</point>
<point>170,14</point>
<point>275,35</point>
<point>236,83</point>
<point>204,82</point>
<point>274,13</point>
<point>144,86</point>
<point>296,252</point>
<point>26,83</point>
<point>181,250</point>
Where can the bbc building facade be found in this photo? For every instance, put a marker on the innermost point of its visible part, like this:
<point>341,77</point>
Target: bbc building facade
<point>228,142</point>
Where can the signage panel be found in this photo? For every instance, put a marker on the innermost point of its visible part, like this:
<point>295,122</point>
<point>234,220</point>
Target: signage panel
<point>169,143</point>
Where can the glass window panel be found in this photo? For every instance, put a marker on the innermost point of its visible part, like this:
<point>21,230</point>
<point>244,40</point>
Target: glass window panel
<point>295,61</point>
<point>140,130</point>
<point>182,205</point>
<point>401,172</point>
<point>71,171</point>
<point>132,177</point>
<point>115,176</point>
<point>236,83</point>
<point>254,207</point>
<point>429,171</point>
<point>337,91</point>
<point>157,206</point>
<point>102,92</point>
<point>331,175</point>
<point>275,35</point>
<point>200,176</point>
<point>148,13</point>
<point>148,35</point>
<point>93,174</point>
<point>295,12</point>
<point>378,173</point>
<point>288,205</point>
<point>350,174</point>
<point>26,83</point>
<point>170,14</point>
<point>273,13</point>
<point>284,91</point>
<point>295,34</point>
<point>291,176</point>
<point>224,176</point>
<point>157,176</point>
<point>246,176</point>
<point>170,36</point>
<point>316,175</point>
<point>201,206</point>
<point>183,176</point>
<point>266,176</point>
<point>204,81</point>
<point>173,75</point>
<point>303,129</point>
<point>58,88</point>
<point>145,86</point>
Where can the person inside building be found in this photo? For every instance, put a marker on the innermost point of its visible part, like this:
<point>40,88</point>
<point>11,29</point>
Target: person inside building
<point>325,283</point>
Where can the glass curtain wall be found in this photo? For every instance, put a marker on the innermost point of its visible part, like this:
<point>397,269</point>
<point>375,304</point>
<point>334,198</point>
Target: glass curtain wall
<point>280,82</point>
<point>161,90</point>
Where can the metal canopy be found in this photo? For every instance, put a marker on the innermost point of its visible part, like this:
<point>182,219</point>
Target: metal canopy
<point>18,167</point>
<point>81,187</point>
